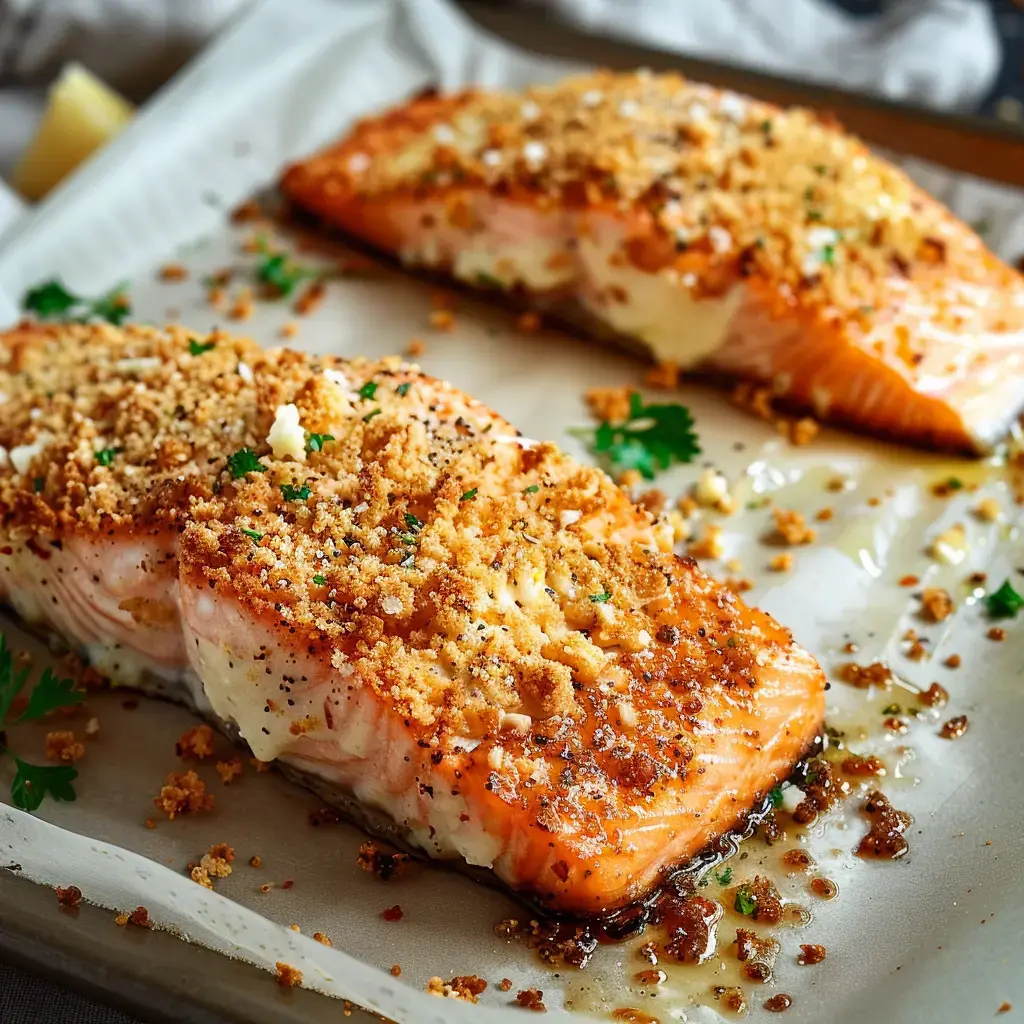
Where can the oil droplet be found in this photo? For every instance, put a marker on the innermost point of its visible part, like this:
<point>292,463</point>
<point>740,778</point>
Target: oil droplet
<point>824,888</point>
<point>796,916</point>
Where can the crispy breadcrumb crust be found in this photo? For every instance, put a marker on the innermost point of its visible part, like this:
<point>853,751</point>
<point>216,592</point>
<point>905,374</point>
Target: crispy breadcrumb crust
<point>721,187</point>
<point>108,428</point>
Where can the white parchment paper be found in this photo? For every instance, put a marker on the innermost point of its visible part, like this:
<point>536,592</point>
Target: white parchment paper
<point>285,80</point>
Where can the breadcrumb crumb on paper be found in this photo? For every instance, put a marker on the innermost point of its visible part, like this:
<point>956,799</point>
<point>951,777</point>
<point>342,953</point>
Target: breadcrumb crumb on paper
<point>288,976</point>
<point>196,743</point>
<point>229,770</point>
<point>936,604</point>
<point>791,528</point>
<point>465,987</point>
<point>61,745</point>
<point>183,793</point>
<point>69,898</point>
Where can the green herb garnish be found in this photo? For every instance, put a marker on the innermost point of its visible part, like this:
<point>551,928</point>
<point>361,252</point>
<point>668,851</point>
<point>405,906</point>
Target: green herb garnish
<point>320,581</point>
<point>52,301</point>
<point>601,598</point>
<point>38,483</point>
<point>892,709</point>
<point>369,389</point>
<point>243,462</point>
<point>651,439</point>
<point>469,495</point>
<point>488,280</point>
<point>32,782</point>
<point>403,389</point>
<point>724,877</point>
<point>532,489</point>
<point>1005,602</point>
<point>745,902</point>
<point>828,254</point>
<point>105,456</point>
<point>370,415</point>
<point>293,493</point>
<point>197,348</point>
<point>775,794</point>
<point>280,273</point>
<point>316,442</point>
<point>254,534</point>
<point>954,484</point>
<point>413,523</point>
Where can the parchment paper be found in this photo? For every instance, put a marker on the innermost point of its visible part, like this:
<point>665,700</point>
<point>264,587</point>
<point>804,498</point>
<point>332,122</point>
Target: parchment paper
<point>905,940</point>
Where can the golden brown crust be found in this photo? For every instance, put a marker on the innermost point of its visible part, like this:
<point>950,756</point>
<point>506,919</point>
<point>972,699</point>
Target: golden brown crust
<point>107,428</point>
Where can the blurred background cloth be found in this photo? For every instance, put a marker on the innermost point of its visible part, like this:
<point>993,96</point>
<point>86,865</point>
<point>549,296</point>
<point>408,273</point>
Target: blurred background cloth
<point>950,54</point>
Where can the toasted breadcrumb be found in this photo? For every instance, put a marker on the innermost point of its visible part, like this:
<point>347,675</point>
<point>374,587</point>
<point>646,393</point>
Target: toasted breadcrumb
<point>909,581</point>
<point>610,405</point>
<point>183,793</point>
<point>173,272</point>
<point>121,920</point>
<point>138,917</point>
<point>396,970</point>
<point>150,823</point>
<point>791,528</point>
<point>823,515</point>
<point>310,299</point>
<point>201,875</point>
<point>242,306</point>
<point>289,330</point>
<point>415,348</point>
<point>196,742</point>
<point>92,728</point>
<point>531,999</point>
<point>988,510</point>
<point>322,939</point>
<point>373,859</point>
<point>528,323</point>
<point>953,661</point>
<point>709,546</point>
<point>61,745</point>
<point>663,376</point>
<point>288,976</point>
<point>442,319</point>
<point>782,562</point>
<point>802,431</point>
<point>505,984</point>
<point>464,987</point>
<point>229,770</point>
<point>69,897</point>
<point>755,399</point>
<point>936,604</point>
<point>740,585</point>
<point>255,861</point>
<point>996,633</point>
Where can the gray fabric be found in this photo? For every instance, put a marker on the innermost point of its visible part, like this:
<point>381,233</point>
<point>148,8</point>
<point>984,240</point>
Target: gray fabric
<point>27,999</point>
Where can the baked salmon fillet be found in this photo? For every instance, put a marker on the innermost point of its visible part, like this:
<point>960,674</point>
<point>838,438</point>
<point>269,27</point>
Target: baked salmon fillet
<point>485,641</point>
<point>704,229</point>
<point>364,573</point>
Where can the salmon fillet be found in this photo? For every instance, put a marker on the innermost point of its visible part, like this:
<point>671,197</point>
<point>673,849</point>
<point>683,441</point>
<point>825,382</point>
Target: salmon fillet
<point>705,229</point>
<point>408,604</point>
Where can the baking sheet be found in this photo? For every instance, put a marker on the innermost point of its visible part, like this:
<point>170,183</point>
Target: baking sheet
<point>283,82</point>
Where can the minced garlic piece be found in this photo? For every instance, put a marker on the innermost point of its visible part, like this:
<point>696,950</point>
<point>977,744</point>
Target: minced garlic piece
<point>950,546</point>
<point>286,437</point>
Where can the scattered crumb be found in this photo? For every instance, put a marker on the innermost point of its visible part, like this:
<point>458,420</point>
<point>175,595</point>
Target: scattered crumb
<point>710,545</point>
<point>465,987</point>
<point>288,976</point>
<point>70,897</point>
<point>121,920</point>
<point>663,377</point>
<point>754,398</point>
<point>791,528</point>
<point>977,578</point>
<point>863,676</point>
<point>837,484</point>
<point>936,696</point>
<point>138,917</point>
<point>150,823</point>
<point>802,431</point>
<point>531,999</point>
<point>936,604</point>
<point>954,728</point>
<point>61,745</point>
<point>197,742</point>
<point>528,323</point>
<point>811,953</point>
<point>395,970</point>
<point>229,770</point>
<point>782,562</point>
<point>255,861</point>
<point>310,299</point>
<point>1004,1007</point>
<point>384,865</point>
<point>653,500</point>
<point>199,874</point>
<point>294,928</point>
<point>217,863</point>
<point>909,581</point>
<point>988,510</point>
<point>92,728</point>
<point>289,330</point>
<point>394,913</point>
<point>324,940</point>
<point>183,793</point>
<point>505,984</point>
<point>953,661</point>
<point>739,585</point>
<point>442,319</point>
<point>242,307</point>
<point>996,633</point>
<point>415,348</point>
<point>174,272</point>
<point>610,405</point>
<point>825,514</point>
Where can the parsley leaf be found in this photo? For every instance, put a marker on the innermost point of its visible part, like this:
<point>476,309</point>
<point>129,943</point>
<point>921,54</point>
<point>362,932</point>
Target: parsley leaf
<point>316,442</point>
<point>320,581</point>
<point>243,462</point>
<point>601,598</point>
<point>889,709</point>
<point>745,902</point>
<point>281,274</point>
<point>470,495</point>
<point>38,483</point>
<point>369,389</point>
<point>51,300</point>
<point>403,389</point>
<point>50,693</point>
<point>413,523</point>
<point>724,877</point>
<point>776,796</point>
<point>11,681</point>
<point>485,280</point>
<point>33,781</point>
<point>106,456</point>
<point>370,415</point>
<point>532,489</point>
<point>197,348</point>
<point>651,439</point>
<point>1005,602</point>
<point>254,534</point>
<point>292,493</point>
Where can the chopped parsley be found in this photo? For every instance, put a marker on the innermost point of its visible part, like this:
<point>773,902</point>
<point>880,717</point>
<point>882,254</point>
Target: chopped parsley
<point>745,902</point>
<point>316,442</point>
<point>954,484</point>
<point>32,782</point>
<point>651,439</point>
<point>1005,602</point>
<point>254,534</point>
<point>293,493</point>
<point>38,483</point>
<point>320,581</point>
<point>724,877</point>
<point>370,415</point>
<point>105,456</point>
<point>280,273</point>
<point>470,494</point>
<point>601,598</point>
<point>243,462</point>
<point>197,348</point>
<point>369,389</point>
<point>828,254</point>
<point>413,524</point>
<point>889,709</point>
<point>532,489</point>
<point>775,794</point>
<point>488,280</point>
<point>52,301</point>
<point>403,389</point>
